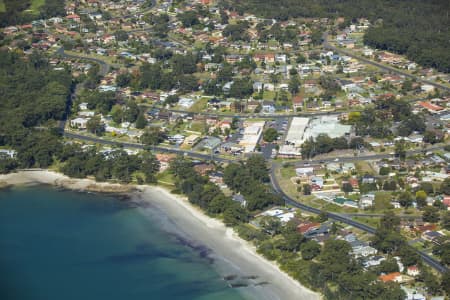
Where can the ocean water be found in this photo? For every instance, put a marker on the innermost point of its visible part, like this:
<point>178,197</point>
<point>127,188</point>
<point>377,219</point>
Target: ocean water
<point>59,244</point>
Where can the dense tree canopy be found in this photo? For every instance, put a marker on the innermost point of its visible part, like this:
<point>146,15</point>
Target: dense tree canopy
<point>419,29</point>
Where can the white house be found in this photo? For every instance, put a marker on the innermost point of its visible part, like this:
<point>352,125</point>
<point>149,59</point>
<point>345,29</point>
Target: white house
<point>79,123</point>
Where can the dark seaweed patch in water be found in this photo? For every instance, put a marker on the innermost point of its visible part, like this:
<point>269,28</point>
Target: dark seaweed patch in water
<point>238,284</point>
<point>250,277</point>
<point>202,250</point>
<point>230,277</point>
<point>144,251</point>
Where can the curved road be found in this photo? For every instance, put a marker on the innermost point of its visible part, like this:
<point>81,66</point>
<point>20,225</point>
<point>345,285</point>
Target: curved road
<point>327,45</point>
<point>429,260</point>
<point>426,258</point>
<point>104,67</point>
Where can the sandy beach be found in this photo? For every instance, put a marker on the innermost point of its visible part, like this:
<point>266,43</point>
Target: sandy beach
<point>232,255</point>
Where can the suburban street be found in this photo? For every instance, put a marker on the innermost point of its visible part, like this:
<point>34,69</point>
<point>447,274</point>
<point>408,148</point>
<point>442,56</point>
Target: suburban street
<point>327,45</point>
<point>105,68</point>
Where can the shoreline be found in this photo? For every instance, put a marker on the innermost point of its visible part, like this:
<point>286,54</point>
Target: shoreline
<point>231,253</point>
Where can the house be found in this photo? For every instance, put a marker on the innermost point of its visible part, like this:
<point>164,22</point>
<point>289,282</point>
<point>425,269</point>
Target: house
<point>192,139</point>
<point>432,236</point>
<point>203,169</point>
<point>432,108</point>
<point>368,179</point>
<point>73,17</point>
<point>239,198</point>
<point>268,107</point>
<point>362,249</point>
<point>304,172</point>
<point>185,102</point>
<point>297,103</point>
<point>79,123</point>
<point>307,226</point>
<point>210,143</point>
<point>413,271</point>
<point>396,277</point>
<point>373,261</point>
<point>6,153</point>
<point>318,233</point>
<point>164,160</point>
<point>216,177</point>
<point>366,201</point>
<point>317,181</point>
<point>412,294</point>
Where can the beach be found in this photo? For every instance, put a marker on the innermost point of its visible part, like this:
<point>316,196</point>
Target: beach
<point>234,257</point>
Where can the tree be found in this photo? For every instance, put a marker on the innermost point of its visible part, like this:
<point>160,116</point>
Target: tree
<point>445,186</point>
<point>430,214</point>
<point>400,149</point>
<point>241,88</point>
<point>117,114</point>
<point>95,126</point>
<point>335,258</point>
<point>310,250</point>
<point>390,221</point>
<point>270,135</point>
<point>294,85</point>
<point>123,79</point>
<point>427,187</point>
<point>183,64</point>
<point>421,198</point>
<point>388,266</point>
<point>347,187</point>
<point>431,137</point>
<point>385,171</point>
<point>152,136</point>
<point>444,283</point>
<point>188,18</point>
<point>306,189</point>
<point>257,168</point>
<point>141,121</point>
<point>150,166</point>
<point>445,222</point>
<point>121,35</point>
<point>271,225</point>
<point>405,199</point>
<point>235,214</point>
<point>131,112</point>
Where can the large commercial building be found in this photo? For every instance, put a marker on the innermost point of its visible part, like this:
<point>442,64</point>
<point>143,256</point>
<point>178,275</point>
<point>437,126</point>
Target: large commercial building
<point>252,134</point>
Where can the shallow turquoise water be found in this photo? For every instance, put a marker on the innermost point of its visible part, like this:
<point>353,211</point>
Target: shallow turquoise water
<point>58,244</point>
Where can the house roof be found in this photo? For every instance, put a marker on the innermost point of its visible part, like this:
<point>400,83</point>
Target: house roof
<point>303,228</point>
<point>389,277</point>
<point>430,106</point>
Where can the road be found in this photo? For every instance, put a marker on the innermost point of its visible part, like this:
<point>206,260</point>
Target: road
<point>192,154</point>
<point>104,67</point>
<point>337,217</point>
<point>341,159</point>
<point>327,45</point>
<point>426,258</point>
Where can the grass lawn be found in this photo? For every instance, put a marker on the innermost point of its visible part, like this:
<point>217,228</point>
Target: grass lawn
<point>364,167</point>
<point>382,201</point>
<point>287,173</point>
<point>2,6</point>
<point>197,126</point>
<point>373,222</point>
<point>165,178</point>
<point>199,105</point>
<point>35,5</point>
